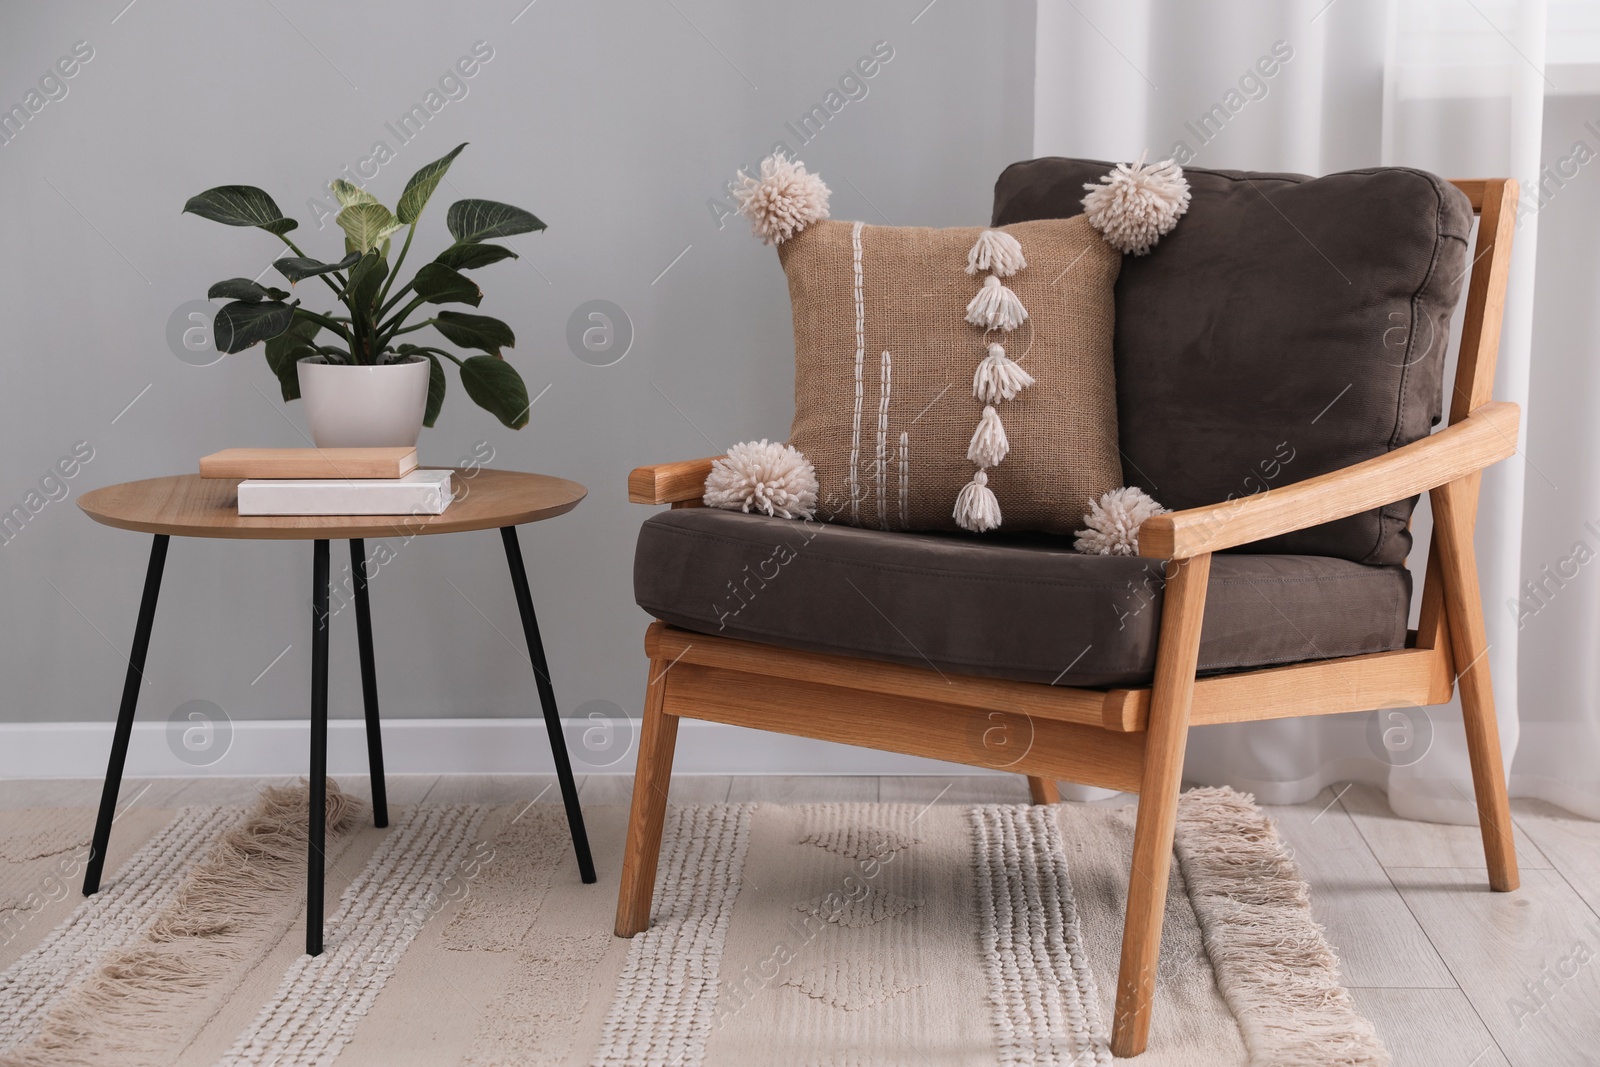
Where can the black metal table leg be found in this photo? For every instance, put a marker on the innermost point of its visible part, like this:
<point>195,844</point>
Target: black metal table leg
<point>130,700</point>
<point>547,700</point>
<point>316,830</point>
<point>369,683</point>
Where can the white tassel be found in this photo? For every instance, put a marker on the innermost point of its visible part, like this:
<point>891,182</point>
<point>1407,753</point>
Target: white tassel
<point>996,251</point>
<point>996,307</point>
<point>998,378</point>
<point>976,507</point>
<point>989,445</point>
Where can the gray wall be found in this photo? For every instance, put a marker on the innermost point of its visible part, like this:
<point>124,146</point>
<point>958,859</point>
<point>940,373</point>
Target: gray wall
<point>615,123</point>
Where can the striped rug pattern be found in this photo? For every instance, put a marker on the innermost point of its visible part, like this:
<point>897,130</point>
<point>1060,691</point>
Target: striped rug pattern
<point>829,935</point>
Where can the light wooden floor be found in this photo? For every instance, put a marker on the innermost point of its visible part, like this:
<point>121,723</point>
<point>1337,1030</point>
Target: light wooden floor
<point>1452,975</point>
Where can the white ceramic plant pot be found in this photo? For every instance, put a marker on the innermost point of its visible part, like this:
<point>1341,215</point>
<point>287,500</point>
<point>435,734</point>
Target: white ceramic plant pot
<point>364,407</point>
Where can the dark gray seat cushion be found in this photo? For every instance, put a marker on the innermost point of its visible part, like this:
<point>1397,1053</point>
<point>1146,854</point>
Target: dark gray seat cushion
<point>1023,606</point>
<point>1287,327</point>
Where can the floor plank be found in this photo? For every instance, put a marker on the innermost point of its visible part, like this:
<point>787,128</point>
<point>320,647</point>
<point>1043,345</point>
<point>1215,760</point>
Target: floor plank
<point>230,790</point>
<point>1379,941</point>
<point>1400,842</point>
<point>804,789</point>
<point>1571,844</point>
<point>957,789</point>
<point>495,789</point>
<point>50,793</point>
<point>1429,1027</point>
<point>1526,960</point>
<point>85,792</point>
<point>401,788</point>
<point>684,789</point>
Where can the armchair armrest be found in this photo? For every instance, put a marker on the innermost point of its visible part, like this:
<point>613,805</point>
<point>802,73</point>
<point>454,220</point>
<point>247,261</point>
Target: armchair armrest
<point>670,483</point>
<point>1483,438</point>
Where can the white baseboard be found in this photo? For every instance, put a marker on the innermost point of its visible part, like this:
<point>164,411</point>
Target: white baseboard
<point>265,748</point>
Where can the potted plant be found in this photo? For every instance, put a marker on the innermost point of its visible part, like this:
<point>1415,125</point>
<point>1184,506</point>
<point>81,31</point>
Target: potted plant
<point>361,384</point>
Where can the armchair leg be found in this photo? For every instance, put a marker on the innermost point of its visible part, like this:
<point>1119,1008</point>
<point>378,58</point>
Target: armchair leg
<point>1170,701</point>
<point>1043,790</point>
<point>1453,508</point>
<point>657,738</point>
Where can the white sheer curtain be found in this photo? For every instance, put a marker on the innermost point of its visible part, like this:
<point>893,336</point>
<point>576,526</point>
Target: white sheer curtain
<point>1458,87</point>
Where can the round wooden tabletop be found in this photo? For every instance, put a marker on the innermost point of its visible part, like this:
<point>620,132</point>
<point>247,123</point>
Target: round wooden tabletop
<point>187,505</point>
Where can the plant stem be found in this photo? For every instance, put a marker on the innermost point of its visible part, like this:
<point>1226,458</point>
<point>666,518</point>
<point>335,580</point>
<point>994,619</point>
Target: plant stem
<point>341,290</point>
<point>387,330</point>
<point>395,271</point>
<point>439,352</point>
<point>404,289</point>
<point>323,320</point>
<point>414,326</point>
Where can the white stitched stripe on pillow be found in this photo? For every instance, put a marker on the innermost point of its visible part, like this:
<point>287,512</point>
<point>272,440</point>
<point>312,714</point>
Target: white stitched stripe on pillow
<point>861,355</point>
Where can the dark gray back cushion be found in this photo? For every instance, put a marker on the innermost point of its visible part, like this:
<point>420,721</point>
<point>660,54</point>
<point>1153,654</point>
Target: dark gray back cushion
<point>1288,326</point>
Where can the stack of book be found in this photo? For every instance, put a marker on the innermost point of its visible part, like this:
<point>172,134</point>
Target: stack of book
<point>331,481</point>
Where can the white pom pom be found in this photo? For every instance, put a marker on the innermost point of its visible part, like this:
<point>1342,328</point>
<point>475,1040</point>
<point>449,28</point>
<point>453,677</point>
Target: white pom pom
<point>783,201</point>
<point>998,378</point>
<point>996,307</point>
<point>1114,522</point>
<point>772,478</point>
<point>996,251</point>
<point>976,507</point>
<point>1137,204</point>
<point>989,445</point>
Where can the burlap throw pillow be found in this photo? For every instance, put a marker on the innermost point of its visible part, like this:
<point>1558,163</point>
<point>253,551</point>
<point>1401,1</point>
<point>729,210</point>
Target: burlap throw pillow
<point>885,404</point>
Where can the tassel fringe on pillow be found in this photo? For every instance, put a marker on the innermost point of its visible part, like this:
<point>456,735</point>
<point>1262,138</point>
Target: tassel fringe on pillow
<point>989,445</point>
<point>783,201</point>
<point>998,377</point>
<point>1113,522</point>
<point>1137,204</point>
<point>996,307</point>
<point>976,507</point>
<point>767,477</point>
<point>996,251</point>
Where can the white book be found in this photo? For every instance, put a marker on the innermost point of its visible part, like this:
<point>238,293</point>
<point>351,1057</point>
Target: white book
<point>422,492</point>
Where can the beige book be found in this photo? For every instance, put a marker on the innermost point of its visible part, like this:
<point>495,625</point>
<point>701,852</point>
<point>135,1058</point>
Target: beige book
<point>309,463</point>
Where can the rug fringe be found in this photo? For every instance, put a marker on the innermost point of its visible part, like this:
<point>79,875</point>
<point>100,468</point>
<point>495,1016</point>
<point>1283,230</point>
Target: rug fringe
<point>143,991</point>
<point>1274,967</point>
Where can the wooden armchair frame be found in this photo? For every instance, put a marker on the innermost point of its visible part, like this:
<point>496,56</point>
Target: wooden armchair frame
<point>1133,739</point>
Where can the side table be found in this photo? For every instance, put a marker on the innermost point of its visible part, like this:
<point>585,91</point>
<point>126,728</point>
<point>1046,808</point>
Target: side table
<point>190,506</point>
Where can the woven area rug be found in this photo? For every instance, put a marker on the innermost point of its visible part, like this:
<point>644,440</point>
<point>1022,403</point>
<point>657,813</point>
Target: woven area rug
<point>835,934</point>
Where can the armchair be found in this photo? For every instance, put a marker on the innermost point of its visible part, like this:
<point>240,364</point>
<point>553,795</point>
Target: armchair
<point>1117,723</point>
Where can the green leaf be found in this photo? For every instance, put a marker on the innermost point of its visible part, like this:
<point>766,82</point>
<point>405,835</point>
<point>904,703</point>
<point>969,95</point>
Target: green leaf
<point>494,385</point>
<point>286,350</point>
<point>422,185</point>
<point>350,246</point>
<point>299,268</point>
<point>466,257</point>
<point>240,205</point>
<point>436,382</point>
<point>435,390</point>
<point>441,285</point>
<point>471,221</point>
<point>367,225</point>
<point>350,193</point>
<point>242,323</point>
<point>475,331</point>
<point>244,289</point>
<point>365,278</point>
